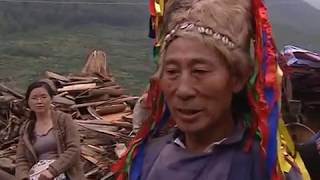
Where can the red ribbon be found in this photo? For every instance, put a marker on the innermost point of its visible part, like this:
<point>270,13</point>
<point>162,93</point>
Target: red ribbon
<point>152,8</point>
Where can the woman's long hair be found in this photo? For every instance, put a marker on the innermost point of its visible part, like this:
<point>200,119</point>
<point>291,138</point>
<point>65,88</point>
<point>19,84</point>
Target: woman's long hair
<point>32,116</point>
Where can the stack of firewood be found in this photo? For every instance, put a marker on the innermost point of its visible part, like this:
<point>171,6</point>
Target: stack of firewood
<point>11,119</point>
<point>96,102</point>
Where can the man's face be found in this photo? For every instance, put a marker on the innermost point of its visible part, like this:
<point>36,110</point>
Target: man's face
<point>197,85</point>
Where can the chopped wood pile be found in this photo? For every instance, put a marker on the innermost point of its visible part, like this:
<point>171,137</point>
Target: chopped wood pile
<point>96,102</point>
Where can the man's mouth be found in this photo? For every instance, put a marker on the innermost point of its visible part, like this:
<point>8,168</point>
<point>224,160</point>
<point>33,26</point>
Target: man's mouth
<point>188,111</point>
<point>187,115</point>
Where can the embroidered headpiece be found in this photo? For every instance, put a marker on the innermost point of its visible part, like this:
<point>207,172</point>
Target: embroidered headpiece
<point>191,27</point>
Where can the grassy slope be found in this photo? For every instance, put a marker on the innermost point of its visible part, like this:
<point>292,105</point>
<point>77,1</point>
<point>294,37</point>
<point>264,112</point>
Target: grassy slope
<point>25,56</point>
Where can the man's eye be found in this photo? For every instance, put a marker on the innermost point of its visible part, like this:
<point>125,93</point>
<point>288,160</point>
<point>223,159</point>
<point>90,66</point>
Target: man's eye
<point>171,71</point>
<point>199,71</point>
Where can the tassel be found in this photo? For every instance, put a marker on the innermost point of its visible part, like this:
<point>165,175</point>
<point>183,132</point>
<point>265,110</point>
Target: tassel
<point>264,95</point>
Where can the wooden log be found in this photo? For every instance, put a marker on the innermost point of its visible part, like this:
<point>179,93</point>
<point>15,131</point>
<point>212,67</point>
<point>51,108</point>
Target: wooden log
<point>115,117</point>
<point>97,64</point>
<point>109,90</point>
<point>70,97</point>
<point>103,110</point>
<point>78,87</point>
<point>50,83</point>
<point>108,84</point>
<point>11,91</point>
<point>95,138</point>
<point>108,176</point>
<point>100,98</point>
<point>90,158</point>
<point>96,149</point>
<point>82,78</point>
<point>107,123</point>
<point>8,143</point>
<point>97,92</point>
<point>111,130</point>
<point>83,93</point>
<point>62,94</point>
<point>56,76</point>
<point>92,172</point>
<point>6,99</point>
<point>7,164</point>
<point>128,117</point>
<point>93,113</point>
<point>122,100</point>
<point>62,100</point>
<point>87,104</point>
<point>88,98</point>
<point>98,141</point>
<point>79,82</point>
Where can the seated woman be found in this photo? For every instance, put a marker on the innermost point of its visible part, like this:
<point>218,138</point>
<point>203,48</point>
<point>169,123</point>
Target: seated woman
<point>202,84</point>
<point>49,144</point>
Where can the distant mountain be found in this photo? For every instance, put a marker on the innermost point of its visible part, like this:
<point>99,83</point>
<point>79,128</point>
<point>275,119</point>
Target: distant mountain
<point>295,22</point>
<point>17,16</point>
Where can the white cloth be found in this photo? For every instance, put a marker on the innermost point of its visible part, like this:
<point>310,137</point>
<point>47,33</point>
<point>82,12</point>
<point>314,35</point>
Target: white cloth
<point>41,166</point>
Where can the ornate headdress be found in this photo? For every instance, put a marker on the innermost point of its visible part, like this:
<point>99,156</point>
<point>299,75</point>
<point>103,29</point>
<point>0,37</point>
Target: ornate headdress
<point>230,26</point>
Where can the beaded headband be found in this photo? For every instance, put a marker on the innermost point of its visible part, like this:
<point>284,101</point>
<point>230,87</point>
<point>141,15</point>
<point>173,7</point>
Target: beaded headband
<point>188,27</point>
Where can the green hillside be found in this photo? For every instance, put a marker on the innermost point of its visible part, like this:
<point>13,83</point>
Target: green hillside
<point>35,38</point>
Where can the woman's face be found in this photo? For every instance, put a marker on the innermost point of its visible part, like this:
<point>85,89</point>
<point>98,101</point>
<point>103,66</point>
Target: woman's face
<point>39,100</point>
<point>197,85</point>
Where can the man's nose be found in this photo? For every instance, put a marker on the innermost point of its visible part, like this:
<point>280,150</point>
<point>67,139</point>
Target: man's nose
<point>185,89</point>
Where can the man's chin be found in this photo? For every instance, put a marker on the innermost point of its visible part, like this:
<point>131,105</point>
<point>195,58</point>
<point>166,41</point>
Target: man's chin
<point>189,128</point>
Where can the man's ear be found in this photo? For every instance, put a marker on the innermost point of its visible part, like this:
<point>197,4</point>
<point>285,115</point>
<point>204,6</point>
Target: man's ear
<point>238,83</point>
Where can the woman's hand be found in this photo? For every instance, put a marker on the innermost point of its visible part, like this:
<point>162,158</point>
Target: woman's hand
<point>46,175</point>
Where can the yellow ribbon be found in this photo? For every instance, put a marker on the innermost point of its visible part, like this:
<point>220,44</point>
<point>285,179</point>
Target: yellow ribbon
<point>285,149</point>
<point>159,7</point>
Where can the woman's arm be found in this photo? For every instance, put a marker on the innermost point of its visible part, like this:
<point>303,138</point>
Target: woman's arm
<point>71,153</point>
<point>22,165</point>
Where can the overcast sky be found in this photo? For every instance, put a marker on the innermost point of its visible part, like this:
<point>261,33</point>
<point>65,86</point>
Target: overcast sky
<point>315,3</point>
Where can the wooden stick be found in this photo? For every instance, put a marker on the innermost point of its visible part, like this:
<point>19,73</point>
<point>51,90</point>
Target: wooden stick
<point>122,100</point>
<point>109,175</point>
<point>77,82</point>
<point>53,75</point>
<point>78,87</point>
<point>61,94</point>
<point>101,122</point>
<point>108,90</point>
<point>80,78</point>
<point>92,172</point>
<point>111,109</point>
<point>108,84</point>
<point>88,104</point>
<point>11,91</point>
<point>102,129</point>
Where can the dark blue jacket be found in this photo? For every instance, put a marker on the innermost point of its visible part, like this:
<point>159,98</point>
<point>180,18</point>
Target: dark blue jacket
<point>165,160</point>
